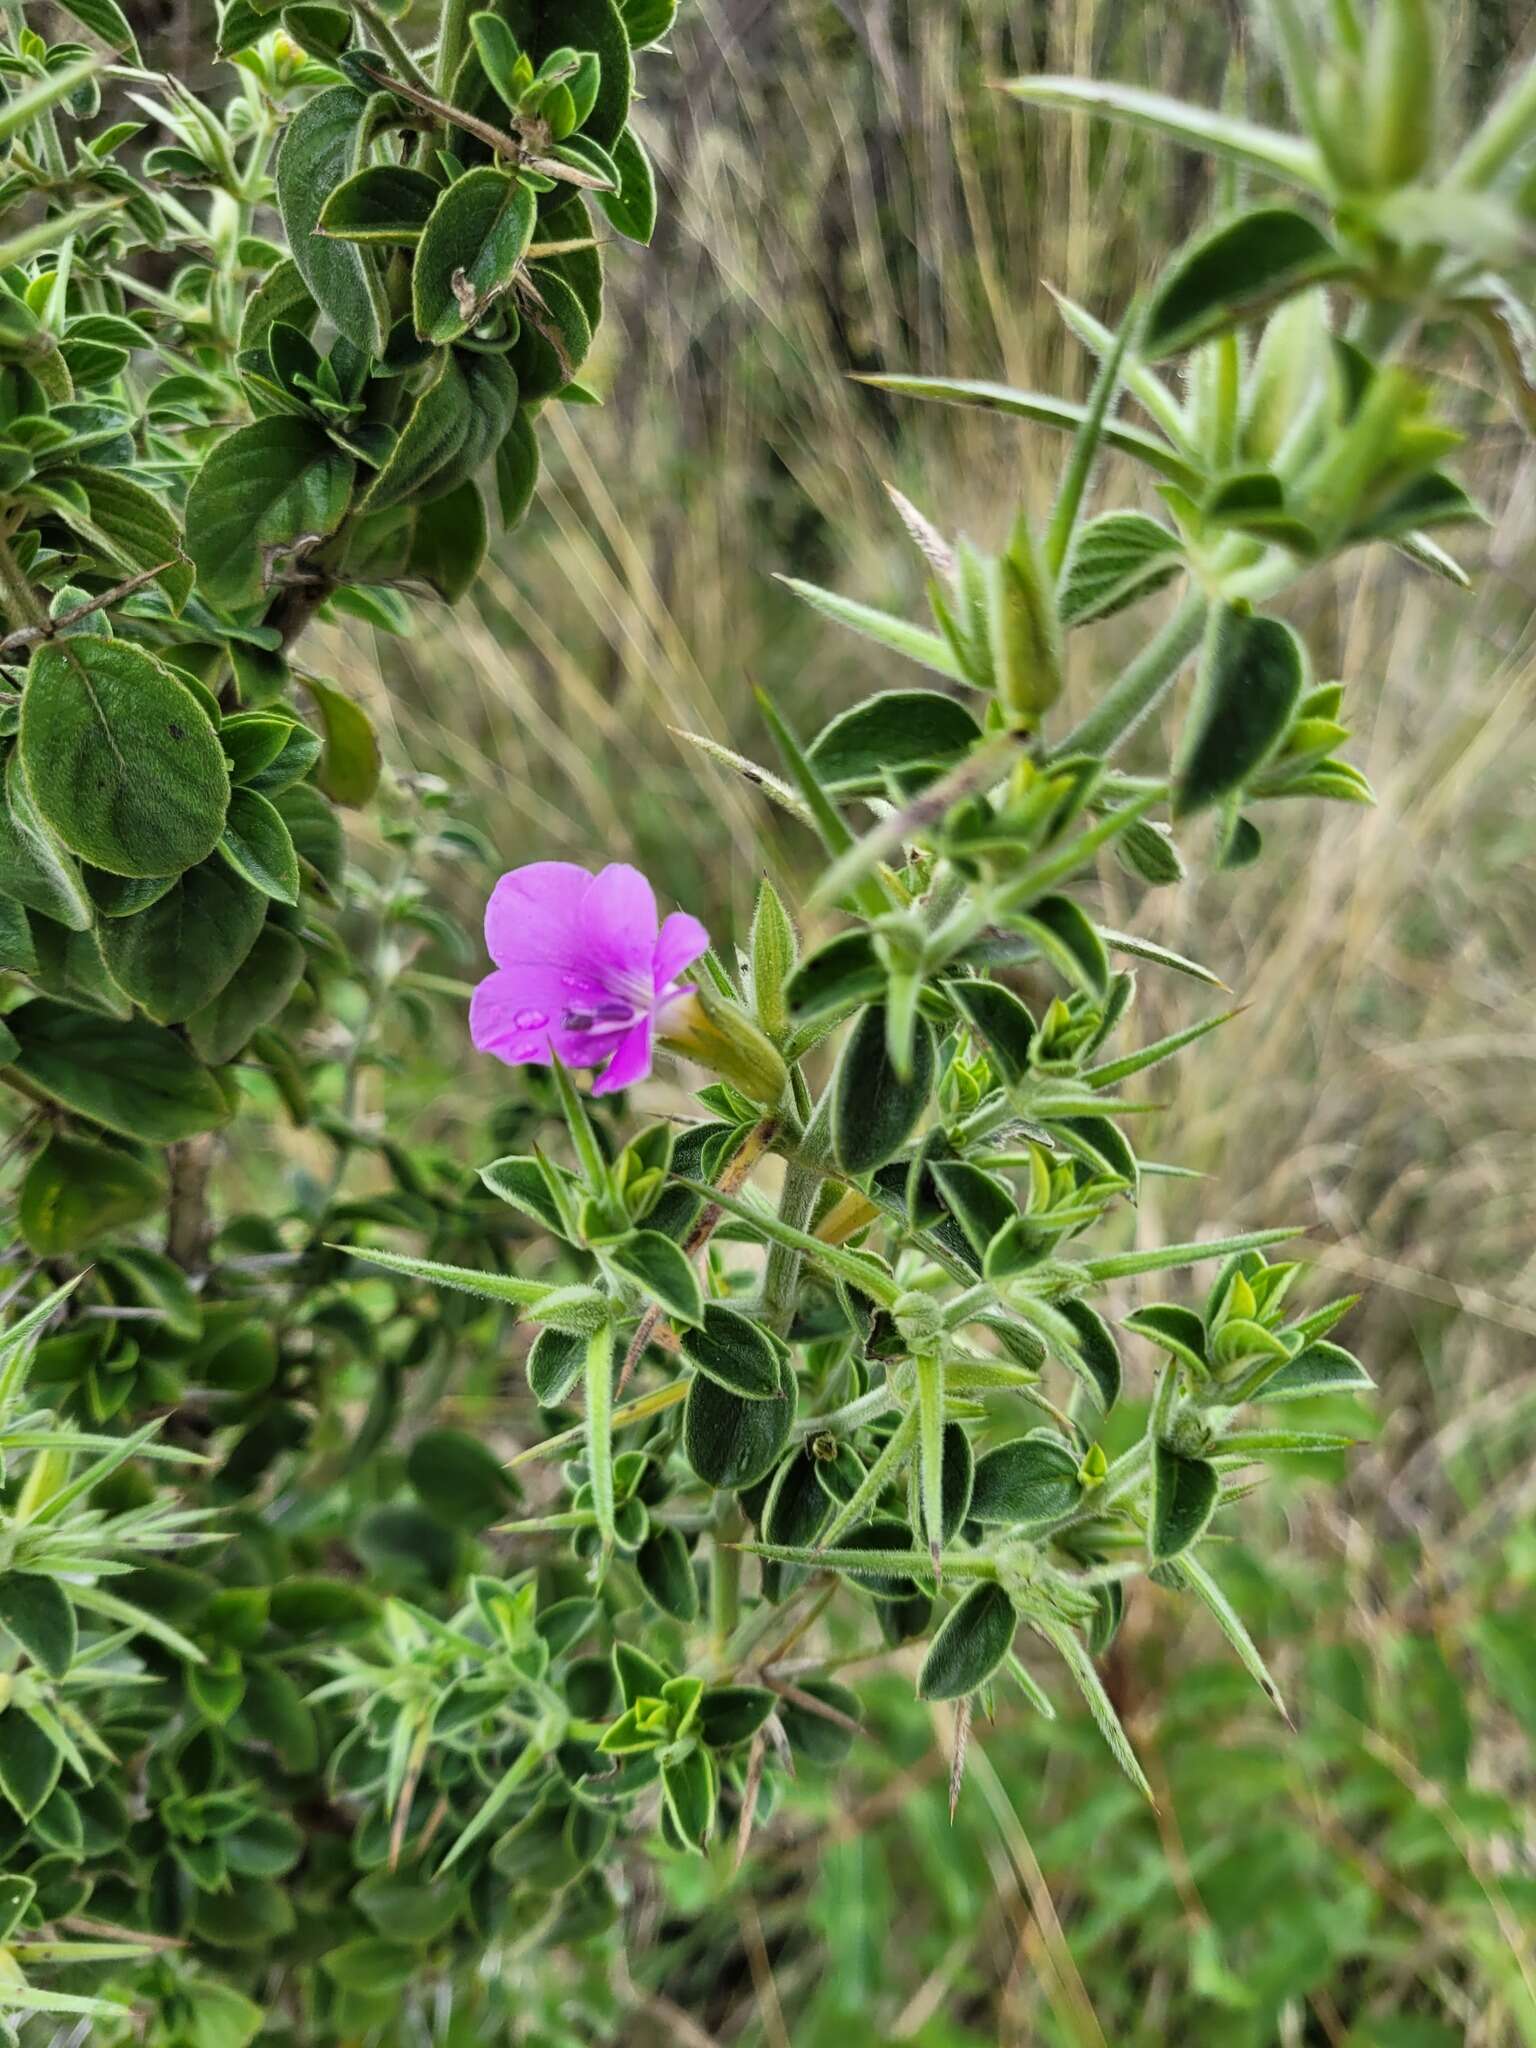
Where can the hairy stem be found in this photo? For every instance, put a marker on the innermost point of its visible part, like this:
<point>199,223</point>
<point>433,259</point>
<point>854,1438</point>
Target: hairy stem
<point>1134,692</point>
<point>725,1577</point>
<point>802,1181</point>
<point>451,43</point>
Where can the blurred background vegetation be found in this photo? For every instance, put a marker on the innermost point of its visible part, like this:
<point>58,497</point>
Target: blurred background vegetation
<point>843,192</point>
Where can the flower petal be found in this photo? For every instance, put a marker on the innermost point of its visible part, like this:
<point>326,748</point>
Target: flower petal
<point>630,1063</point>
<point>510,1012</point>
<point>678,944</point>
<point>534,917</point>
<point>618,921</point>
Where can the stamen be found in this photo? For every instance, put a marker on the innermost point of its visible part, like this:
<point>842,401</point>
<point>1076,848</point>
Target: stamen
<point>595,1018</point>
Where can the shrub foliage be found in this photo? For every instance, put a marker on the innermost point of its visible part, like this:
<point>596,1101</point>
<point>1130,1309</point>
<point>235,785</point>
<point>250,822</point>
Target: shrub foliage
<point>310,1702</point>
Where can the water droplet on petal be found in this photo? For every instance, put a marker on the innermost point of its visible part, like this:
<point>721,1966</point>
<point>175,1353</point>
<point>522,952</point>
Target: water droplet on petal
<point>529,1020</point>
<point>528,1050</point>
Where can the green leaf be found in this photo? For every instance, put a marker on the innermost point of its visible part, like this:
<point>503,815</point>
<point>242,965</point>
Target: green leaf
<point>632,209</point>
<point>732,1351</point>
<point>121,760</point>
<point>1064,934</point>
<point>1224,135</point>
<point>1117,560</point>
<point>646,21</point>
<point>1317,1369</point>
<point>29,1762</point>
<point>505,1287</point>
<point>1147,448</point>
<point>176,957</point>
<point>18,952</point>
<point>837,978</point>
<point>1173,1329</point>
<point>255,993</point>
<point>732,1714</point>
<point>77,1191</point>
<point>259,847</point>
<point>1032,1480</point>
<point>1097,1360</point>
<point>1252,674</point>
<point>1236,269</point>
<point>470,251</point>
<point>556,334</point>
<point>522,1180</point>
<point>264,488</point>
<point>897,635</point>
<point>661,1269</point>
<point>897,730</point>
<point>316,1609</point>
<point>316,155</point>
<point>349,765</point>
<point>457,423</point>
<point>544,26</point>
<point>407,1909</point>
<point>21,109</point>
<point>1184,1496</point>
<point>666,1571</point>
<point>995,1015</point>
<point>517,471</point>
<point>1231,1625</point>
<point>16,1896</point>
<point>974,1638</point>
<point>449,545</point>
<point>875,1110</point>
<point>133,527</point>
<point>34,868</point>
<point>554,1366</point>
<point>130,1076</point>
<point>371,1965</point>
<point>689,1786</point>
<point>1164,1258</point>
<point>282,295</point>
<point>315,831</point>
<point>381,203</point>
<point>1069,1647</point>
<point>458,1478</point>
<point>730,1442</point>
<point>106,19</point>
<point>35,1610</point>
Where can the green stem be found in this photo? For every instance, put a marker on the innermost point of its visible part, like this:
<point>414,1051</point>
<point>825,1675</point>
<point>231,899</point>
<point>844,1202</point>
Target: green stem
<point>451,44</point>
<point>1134,692</point>
<point>405,64</point>
<point>802,1180</point>
<point>599,1411</point>
<point>725,1579</point>
<point>1504,131</point>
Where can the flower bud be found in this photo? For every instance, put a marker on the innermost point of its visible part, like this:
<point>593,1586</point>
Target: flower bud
<point>774,956</point>
<point>705,1027</point>
<point>1400,85</point>
<point>1024,630</point>
<point>918,1318</point>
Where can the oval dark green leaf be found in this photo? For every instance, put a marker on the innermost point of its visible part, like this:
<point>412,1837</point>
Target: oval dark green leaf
<point>875,1110</point>
<point>121,760</point>
<point>1252,673</point>
<point>1033,1479</point>
<point>974,1638</point>
<point>730,1442</point>
<point>732,1351</point>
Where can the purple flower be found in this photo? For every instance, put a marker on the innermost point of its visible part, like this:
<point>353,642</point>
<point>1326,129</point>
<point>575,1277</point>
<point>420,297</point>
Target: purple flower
<point>582,968</point>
